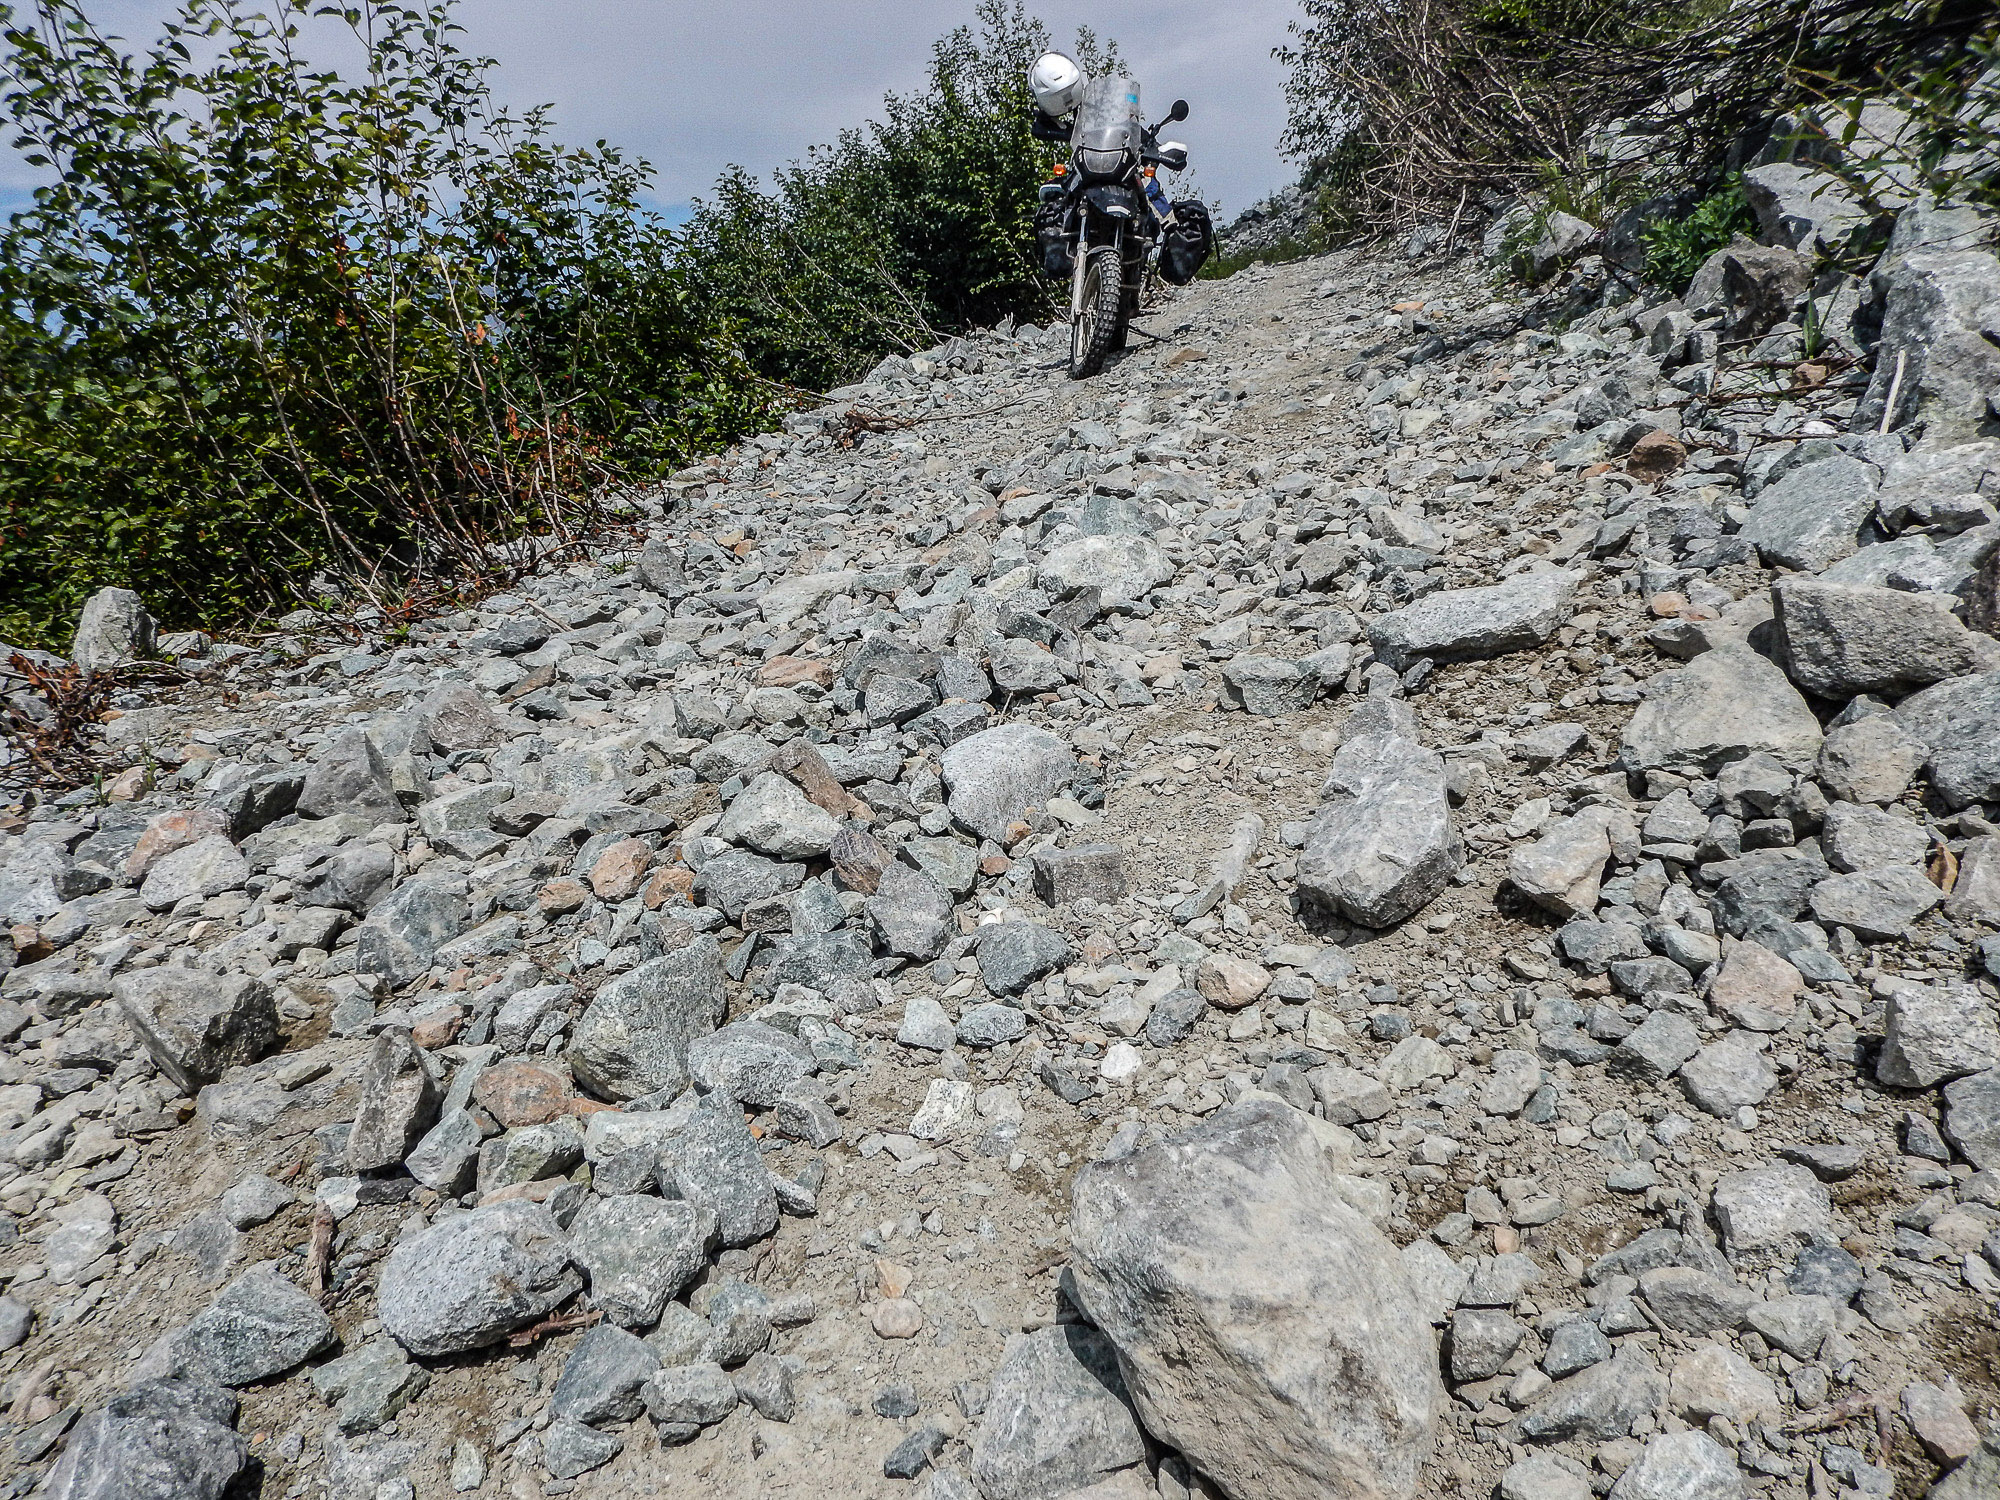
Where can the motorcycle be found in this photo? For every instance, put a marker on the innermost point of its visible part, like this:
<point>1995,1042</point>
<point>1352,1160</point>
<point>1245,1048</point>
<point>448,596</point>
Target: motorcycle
<point>1105,214</point>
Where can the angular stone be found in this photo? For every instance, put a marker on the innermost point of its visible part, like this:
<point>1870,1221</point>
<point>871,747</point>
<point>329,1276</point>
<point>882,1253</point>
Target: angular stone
<point>1561,871</point>
<point>765,1382</point>
<point>1842,639</point>
<point>1265,686</point>
<point>775,818</point>
<point>1120,568</point>
<point>262,1325</point>
<point>991,1025</point>
<point>471,1279</point>
<point>1755,988</point>
<point>370,1385</point>
<point>1480,1341</point>
<point>640,1253</point>
<point>1349,1095</point>
<point>1469,624</point>
<point>1575,1345</point>
<point>690,1396</point>
<point>714,1163</point>
<point>1877,904</point>
<point>1692,1301</point>
<point>1972,1117</point>
<point>749,1062</point>
<point>1231,983</point>
<point>1545,1476</point>
<point>910,914</point>
<point>926,1024</point>
<point>1716,1381</point>
<point>1771,1211</point>
<point>1855,837</point>
<point>405,929</point>
<point>1726,1075</point>
<point>1939,305</point>
<point>1797,1325</point>
<point>353,880</point>
<point>1093,872</point>
<point>196,1024</point>
<point>571,1449</point>
<point>1933,1033</point>
<point>632,1038</point>
<point>455,716</point>
<point>161,1440</point>
<point>533,1153</point>
<point>113,628</point>
<point>1687,1465</point>
<point>1013,955</point>
<point>1203,1258</point>
<point>205,868</point>
<point>996,775</point>
<point>1597,1404</point>
<point>1724,704</point>
<point>1959,721</point>
<point>1658,1046</point>
<point>350,777</point>
<point>1381,846</point>
<point>1057,1417</point>
<point>446,1160</point>
<point>399,1102</point>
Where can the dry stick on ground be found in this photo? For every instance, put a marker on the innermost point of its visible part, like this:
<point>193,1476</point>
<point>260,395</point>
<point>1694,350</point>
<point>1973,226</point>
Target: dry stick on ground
<point>322,1248</point>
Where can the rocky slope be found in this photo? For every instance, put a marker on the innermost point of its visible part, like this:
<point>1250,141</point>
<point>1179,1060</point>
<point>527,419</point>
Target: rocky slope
<point>1379,902</point>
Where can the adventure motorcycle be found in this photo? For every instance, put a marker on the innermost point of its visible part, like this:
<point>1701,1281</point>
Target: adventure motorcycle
<point>1104,214</point>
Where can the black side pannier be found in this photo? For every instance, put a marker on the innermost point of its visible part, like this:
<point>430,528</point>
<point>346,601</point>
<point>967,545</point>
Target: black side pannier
<point>1186,244</point>
<point>1050,220</point>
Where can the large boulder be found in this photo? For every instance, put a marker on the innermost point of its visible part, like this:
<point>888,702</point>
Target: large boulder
<point>1264,1327</point>
<point>1959,721</point>
<point>196,1024</point>
<point>1057,1417</point>
<point>113,629</point>
<point>1842,639</point>
<point>262,1325</point>
<point>406,928</point>
<point>1814,515</point>
<point>633,1037</point>
<point>992,777</point>
<point>1941,302</point>
<point>1804,208</point>
<point>170,1439</point>
<point>1465,624</point>
<point>473,1278</point>
<point>1121,568</point>
<point>1723,705</point>
<point>1381,845</point>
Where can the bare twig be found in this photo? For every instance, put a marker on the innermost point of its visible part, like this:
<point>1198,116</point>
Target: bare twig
<point>322,1248</point>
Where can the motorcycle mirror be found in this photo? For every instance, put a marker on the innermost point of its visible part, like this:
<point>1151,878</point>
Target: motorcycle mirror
<point>1179,111</point>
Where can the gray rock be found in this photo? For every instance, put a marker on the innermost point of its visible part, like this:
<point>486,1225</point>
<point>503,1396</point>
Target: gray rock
<point>1856,837</point>
<point>1200,1256</point>
<point>205,868</point>
<point>1658,1046</point>
<point>714,1164</point>
<point>1813,516</point>
<point>996,775</point>
<point>370,1385</point>
<point>1120,568</point>
<point>1013,955</point>
<point>160,1440</point>
<point>1687,1465</point>
<point>569,1448</point>
<point>926,1025</point>
<point>1972,1117</point>
<point>1092,871</point>
<point>1545,1476</point>
<point>1562,870</point>
<point>1057,1417</point>
<point>1724,704</point>
<point>1174,1017</point>
<point>1480,1341</point>
<point>447,1158</point>
<point>952,863</point>
<point>739,1324</point>
<point>1959,721</point>
<point>404,931</point>
<point>1877,904</point>
<point>17,1321</point>
<point>196,1024</point>
<point>1803,207</point>
<point>640,1253</point>
<point>399,1103</point>
<point>749,1062</point>
<point>1597,1404</point>
<point>774,817</point>
<point>1975,1479</point>
<point>1769,1212</point>
<point>532,1153</point>
<point>690,1396</point>
<point>350,777</point>
<point>1266,686</point>
<point>1726,1075</point>
<point>1797,1325</point>
<point>732,881</point>
<point>113,628</point>
<point>456,716</point>
<point>1469,624</point>
<point>1934,1033</point>
<point>1381,846</point>
<point>1755,286</point>
<point>765,1384</point>
<point>991,1025</point>
<point>1933,330</point>
<point>1842,639</point>
<point>261,1325</point>
<point>1573,1346</point>
<point>604,1378</point>
<point>1692,1301</point>
<point>473,1278</point>
<point>353,880</point>
<point>632,1039</point>
<point>1759,895</point>
<point>1349,1095</point>
<point>910,914</point>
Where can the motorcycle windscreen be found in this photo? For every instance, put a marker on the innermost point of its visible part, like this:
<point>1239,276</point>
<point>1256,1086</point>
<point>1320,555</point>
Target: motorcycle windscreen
<point>1108,126</point>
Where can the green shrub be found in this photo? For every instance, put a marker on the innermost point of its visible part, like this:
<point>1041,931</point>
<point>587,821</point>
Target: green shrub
<point>270,332</point>
<point>1676,250</point>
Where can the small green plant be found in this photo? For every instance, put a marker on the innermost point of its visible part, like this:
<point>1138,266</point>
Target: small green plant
<point>1676,250</point>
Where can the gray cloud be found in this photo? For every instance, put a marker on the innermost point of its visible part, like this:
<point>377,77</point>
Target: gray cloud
<point>694,87</point>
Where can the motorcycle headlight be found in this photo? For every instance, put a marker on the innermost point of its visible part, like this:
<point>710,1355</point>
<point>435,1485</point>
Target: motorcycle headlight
<point>1102,163</point>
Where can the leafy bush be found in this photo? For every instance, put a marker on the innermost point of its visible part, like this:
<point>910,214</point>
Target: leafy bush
<point>919,226</point>
<point>269,329</point>
<point>1676,250</point>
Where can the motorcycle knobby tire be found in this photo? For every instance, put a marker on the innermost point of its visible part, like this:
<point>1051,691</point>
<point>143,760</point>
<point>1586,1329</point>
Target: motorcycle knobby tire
<point>1095,331</point>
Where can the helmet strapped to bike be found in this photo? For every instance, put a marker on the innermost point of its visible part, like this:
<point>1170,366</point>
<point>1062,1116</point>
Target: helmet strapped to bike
<point>1057,83</point>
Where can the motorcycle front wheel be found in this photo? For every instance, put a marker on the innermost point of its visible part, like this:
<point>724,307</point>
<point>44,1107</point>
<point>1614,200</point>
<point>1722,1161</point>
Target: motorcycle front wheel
<point>1099,321</point>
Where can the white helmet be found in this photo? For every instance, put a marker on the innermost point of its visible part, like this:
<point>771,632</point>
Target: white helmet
<point>1057,84</point>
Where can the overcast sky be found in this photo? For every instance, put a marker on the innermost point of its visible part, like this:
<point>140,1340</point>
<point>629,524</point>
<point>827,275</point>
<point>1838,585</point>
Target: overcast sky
<point>694,86</point>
